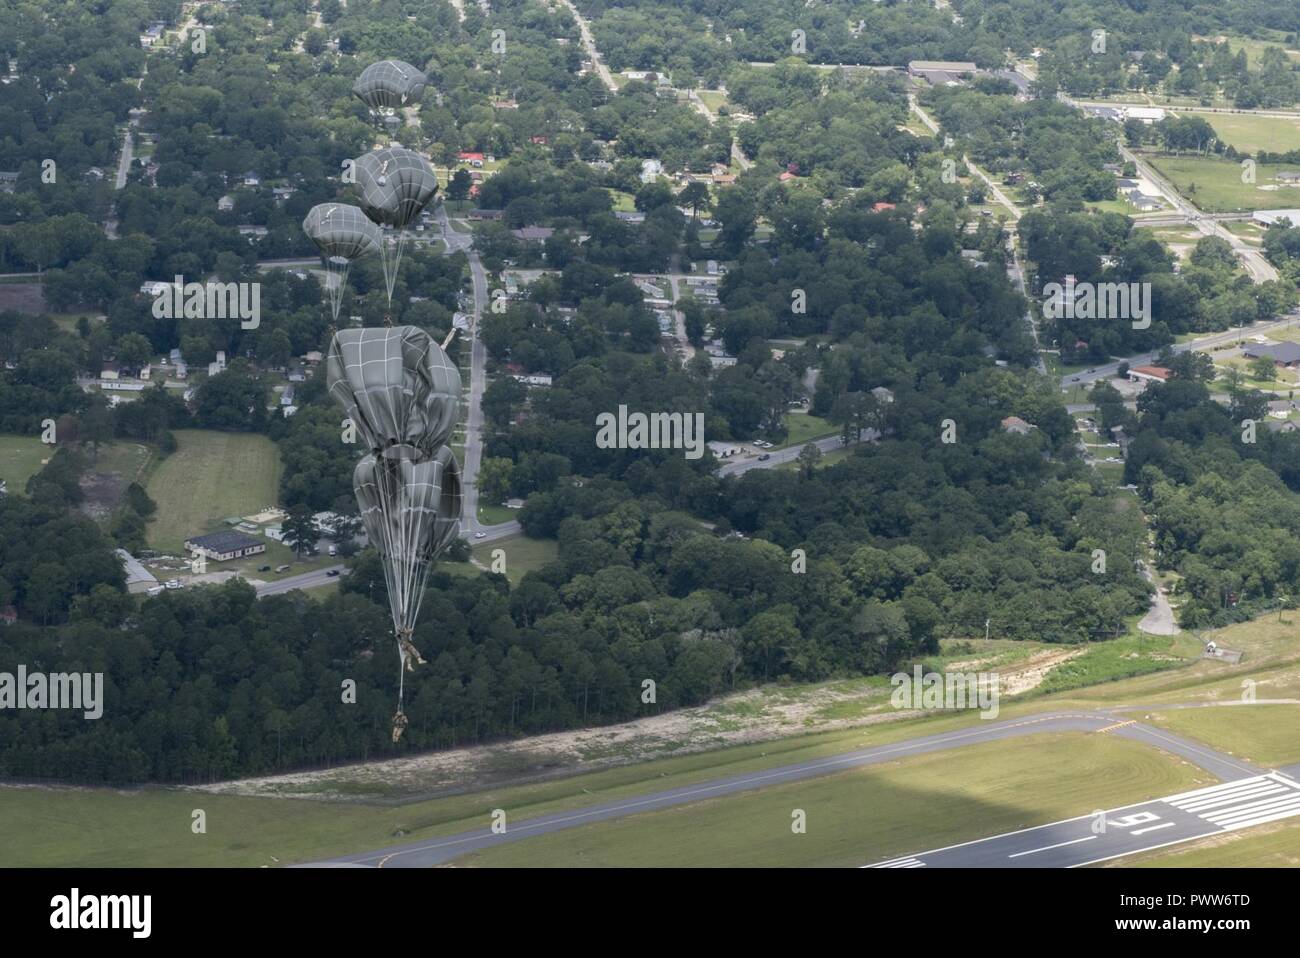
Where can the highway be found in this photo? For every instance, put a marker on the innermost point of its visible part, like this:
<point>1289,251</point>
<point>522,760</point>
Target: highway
<point>436,851</point>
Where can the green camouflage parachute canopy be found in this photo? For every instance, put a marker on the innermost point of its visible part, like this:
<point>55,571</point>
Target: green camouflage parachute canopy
<point>389,84</point>
<point>397,385</point>
<point>341,231</point>
<point>427,496</point>
<point>395,184</point>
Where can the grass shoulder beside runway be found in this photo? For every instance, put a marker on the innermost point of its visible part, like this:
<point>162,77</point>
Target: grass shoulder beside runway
<point>871,814</point>
<point>1276,845</point>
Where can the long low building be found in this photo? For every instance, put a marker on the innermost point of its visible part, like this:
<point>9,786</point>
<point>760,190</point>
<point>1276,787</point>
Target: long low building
<point>138,578</point>
<point>222,546</point>
<point>1269,217</point>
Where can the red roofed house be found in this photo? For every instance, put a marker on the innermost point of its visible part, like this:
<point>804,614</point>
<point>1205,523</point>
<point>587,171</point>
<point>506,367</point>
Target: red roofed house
<point>8,615</point>
<point>1017,425</point>
<point>881,207</point>
<point>787,175</point>
<point>473,159</point>
<point>1150,374</point>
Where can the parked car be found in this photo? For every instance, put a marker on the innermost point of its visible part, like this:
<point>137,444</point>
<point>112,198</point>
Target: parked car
<point>264,568</point>
<point>282,568</point>
<point>173,583</point>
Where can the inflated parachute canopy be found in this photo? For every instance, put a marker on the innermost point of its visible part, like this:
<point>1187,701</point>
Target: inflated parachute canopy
<point>410,510</point>
<point>397,385</point>
<point>341,232</point>
<point>395,184</point>
<point>389,84</point>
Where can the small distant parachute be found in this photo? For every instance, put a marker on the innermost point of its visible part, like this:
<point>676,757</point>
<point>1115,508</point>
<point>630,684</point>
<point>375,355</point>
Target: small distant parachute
<point>396,184</point>
<point>342,234</point>
<point>389,84</point>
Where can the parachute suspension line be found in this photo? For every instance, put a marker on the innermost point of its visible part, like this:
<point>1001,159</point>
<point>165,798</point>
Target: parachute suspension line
<point>391,257</point>
<point>339,275</point>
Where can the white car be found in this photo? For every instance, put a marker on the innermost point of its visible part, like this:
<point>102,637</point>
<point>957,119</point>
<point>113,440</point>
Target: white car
<point>480,535</point>
<point>173,583</point>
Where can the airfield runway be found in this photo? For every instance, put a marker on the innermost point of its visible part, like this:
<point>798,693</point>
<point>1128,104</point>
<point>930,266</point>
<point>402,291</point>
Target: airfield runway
<point>1067,837</point>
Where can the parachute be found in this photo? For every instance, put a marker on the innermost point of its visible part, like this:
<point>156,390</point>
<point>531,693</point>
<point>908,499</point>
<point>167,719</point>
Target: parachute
<point>342,234</point>
<point>396,184</point>
<point>389,84</point>
<point>403,394</point>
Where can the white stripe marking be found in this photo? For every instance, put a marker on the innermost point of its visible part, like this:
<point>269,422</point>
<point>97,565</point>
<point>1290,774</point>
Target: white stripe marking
<point>1034,851</point>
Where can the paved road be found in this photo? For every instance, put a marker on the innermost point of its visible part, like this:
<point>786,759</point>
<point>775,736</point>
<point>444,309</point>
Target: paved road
<point>307,580</point>
<point>1143,826</point>
<point>435,851</point>
<point>736,467</point>
<point>1110,370</point>
<point>589,44</point>
<point>1259,268</point>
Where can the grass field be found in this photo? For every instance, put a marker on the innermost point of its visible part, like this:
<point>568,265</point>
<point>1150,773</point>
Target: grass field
<point>494,514</point>
<point>20,459</point>
<point>804,426</point>
<point>1251,134</point>
<point>212,475</point>
<point>522,554</point>
<point>871,814</point>
<point>1265,735</point>
<point>1215,185</point>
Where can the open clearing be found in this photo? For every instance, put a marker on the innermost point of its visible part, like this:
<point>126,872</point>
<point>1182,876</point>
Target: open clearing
<point>1251,134</point>
<point>211,476</point>
<point>1215,185</point>
<point>20,459</point>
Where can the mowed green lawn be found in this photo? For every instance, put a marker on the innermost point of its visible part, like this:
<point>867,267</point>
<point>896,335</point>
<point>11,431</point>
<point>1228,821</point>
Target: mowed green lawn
<point>1267,735</point>
<point>20,459</point>
<point>872,814</point>
<point>211,475</point>
<point>522,554</point>
<point>1251,134</point>
<point>1215,185</point>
